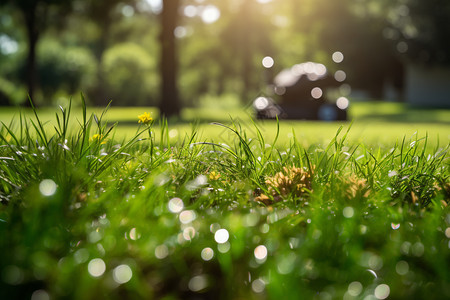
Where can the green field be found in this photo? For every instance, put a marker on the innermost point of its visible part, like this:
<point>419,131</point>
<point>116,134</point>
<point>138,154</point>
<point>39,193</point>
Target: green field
<point>232,210</point>
<point>374,123</point>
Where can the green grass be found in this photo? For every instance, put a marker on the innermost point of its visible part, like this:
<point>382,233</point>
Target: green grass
<point>230,210</point>
<point>374,123</point>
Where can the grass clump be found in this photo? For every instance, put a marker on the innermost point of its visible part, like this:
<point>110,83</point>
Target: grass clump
<point>87,216</point>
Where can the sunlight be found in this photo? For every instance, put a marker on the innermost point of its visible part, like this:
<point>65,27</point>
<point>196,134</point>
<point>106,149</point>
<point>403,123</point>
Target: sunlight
<point>210,14</point>
<point>268,62</point>
<point>155,5</point>
<point>338,57</point>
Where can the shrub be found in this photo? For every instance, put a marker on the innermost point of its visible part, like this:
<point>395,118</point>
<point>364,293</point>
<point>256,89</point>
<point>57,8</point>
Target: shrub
<point>129,74</point>
<point>65,68</point>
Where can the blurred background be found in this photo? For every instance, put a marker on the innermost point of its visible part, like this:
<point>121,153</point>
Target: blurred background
<point>174,54</point>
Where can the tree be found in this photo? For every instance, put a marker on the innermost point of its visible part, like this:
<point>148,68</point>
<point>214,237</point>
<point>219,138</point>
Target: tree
<point>36,14</point>
<point>104,13</point>
<point>170,103</point>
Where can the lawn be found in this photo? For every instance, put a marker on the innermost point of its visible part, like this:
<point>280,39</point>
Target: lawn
<point>374,123</point>
<point>235,210</point>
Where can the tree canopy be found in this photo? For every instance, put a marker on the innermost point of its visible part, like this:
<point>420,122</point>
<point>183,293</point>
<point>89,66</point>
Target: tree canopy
<point>170,53</point>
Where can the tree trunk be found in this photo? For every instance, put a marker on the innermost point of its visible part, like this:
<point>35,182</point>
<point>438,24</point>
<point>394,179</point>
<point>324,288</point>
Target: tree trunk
<point>170,103</point>
<point>32,36</point>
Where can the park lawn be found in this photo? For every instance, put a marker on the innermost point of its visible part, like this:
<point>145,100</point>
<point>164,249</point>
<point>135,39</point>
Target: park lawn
<point>227,211</point>
<point>374,123</point>
<point>323,212</point>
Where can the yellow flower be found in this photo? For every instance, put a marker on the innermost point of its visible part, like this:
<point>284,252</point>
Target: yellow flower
<point>98,138</point>
<point>214,175</point>
<point>145,118</point>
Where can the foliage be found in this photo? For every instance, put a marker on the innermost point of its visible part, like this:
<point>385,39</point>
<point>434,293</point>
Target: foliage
<point>129,73</point>
<point>417,29</point>
<point>70,69</point>
<point>86,216</point>
<point>225,56</point>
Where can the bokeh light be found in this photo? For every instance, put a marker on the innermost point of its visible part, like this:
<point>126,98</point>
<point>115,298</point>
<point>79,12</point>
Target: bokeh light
<point>417,249</point>
<point>261,103</point>
<point>316,93</point>
<point>207,254</point>
<point>176,205</point>
<point>187,216</point>
<point>96,267</point>
<point>355,288</point>
<point>189,233</point>
<point>348,212</point>
<point>395,226</point>
<point>214,227</point>
<point>268,62</point>
<point>210,14</point>
<point>190,11</point>
<point>221,236</point>
<point>161,251</point>
<point>40,295</point>
<point>47,187</point>
<point>382,291</point>
<point>133,234</point>
<point>342,103</point>
<point>402,267</point>
<point>122,274</point>
<point>258,285</point>
<point>338,57</point>
<point>340,76</point>
<point>81,255</point>
<point>198,283</point>
<point>260,252</point>
<point>224,248</point>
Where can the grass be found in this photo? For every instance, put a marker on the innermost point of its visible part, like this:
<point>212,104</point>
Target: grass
<point>249,212</point>
<point>374,123</point>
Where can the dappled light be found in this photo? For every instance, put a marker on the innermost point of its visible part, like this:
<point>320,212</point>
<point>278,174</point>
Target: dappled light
<point>241,149</point>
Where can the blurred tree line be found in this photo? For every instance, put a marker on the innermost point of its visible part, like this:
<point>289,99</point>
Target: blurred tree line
<point>171,52</point>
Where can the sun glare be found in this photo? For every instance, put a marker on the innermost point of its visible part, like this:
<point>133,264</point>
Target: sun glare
<point>210,14</point>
